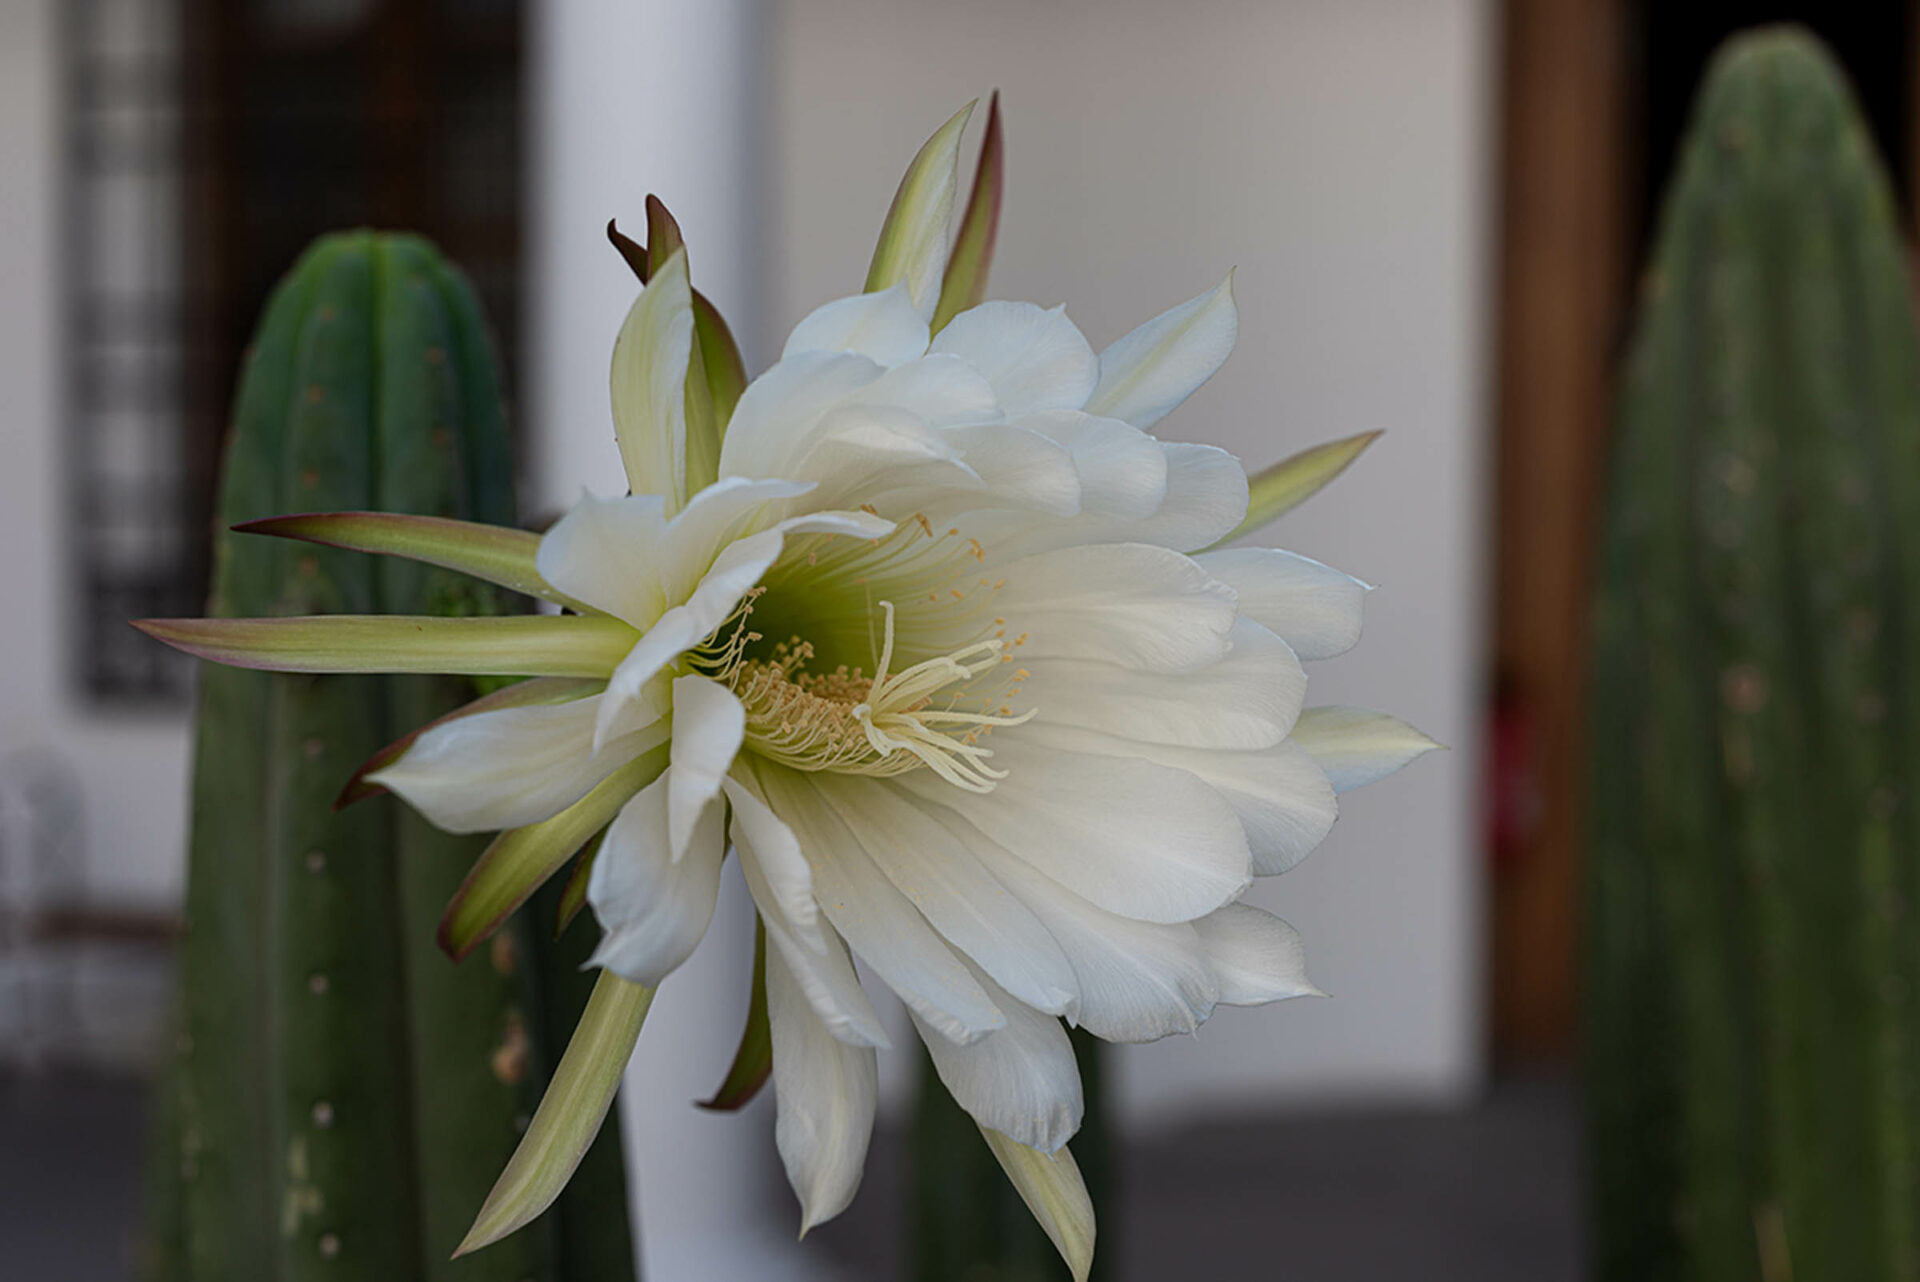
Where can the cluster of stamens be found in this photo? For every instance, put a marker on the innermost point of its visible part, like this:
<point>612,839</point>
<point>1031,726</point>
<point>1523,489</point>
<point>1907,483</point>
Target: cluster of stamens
<point>880,725</point>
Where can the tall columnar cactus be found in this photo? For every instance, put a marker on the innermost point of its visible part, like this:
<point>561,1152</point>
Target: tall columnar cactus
<point>1754,927</point>
<point>345,1095</point>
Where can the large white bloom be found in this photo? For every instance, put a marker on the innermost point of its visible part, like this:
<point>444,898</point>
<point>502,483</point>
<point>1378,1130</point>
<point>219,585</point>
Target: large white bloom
<point>938,657</point>
<point>933,644</point>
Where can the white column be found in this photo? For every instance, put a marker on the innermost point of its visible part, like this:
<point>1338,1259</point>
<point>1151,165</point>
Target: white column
<point>630,97</point>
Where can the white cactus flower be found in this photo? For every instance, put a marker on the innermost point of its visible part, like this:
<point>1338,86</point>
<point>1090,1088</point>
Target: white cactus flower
<point>928,633</point>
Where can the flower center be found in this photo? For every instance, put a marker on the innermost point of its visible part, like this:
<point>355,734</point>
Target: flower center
<point>882,725</point>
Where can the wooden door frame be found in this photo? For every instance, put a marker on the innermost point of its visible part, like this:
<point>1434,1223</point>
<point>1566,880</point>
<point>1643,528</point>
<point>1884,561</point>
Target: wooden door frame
<point>1565,226</point>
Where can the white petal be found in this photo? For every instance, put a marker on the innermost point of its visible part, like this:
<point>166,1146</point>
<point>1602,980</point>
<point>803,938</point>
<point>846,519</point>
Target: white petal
<point>856,525</point>
<point>1249,699</point>
<point>607,553</point>
<point>708,726</point>
<point>1160,364</point>
<point>861,450</point>
<point>1131,836</point>
<point>883,327</point>
<point>654,907</point>
<point>509,768</point>
<point>1313,607</point>
<point>825,1093</point>
<point>718,515</point>
<point>1130,604</point>
<point>780,407</point>
<point>1018,468</point>
<point>779,866</point>
<point>1356,747</point>
<point>941,391</point>
<point>1122,470</point>
<point>1206,498</point>
<point>734,572</point>
<point>649,383</point>
<point>1281,798</point>
<point>1036,359</point>
<point>1022,1080</point>
<point>1138,980</point>
<point>1258,957</point>
<point>877,922</point>
<point>955,893</point>
<point>1050,1185</point>
<point>768,858</point>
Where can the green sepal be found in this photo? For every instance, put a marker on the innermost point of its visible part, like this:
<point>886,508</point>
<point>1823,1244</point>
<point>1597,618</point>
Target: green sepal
<point>1051,1186</point>
<point>630,250</point>
<point>524,645</point>
<point>913,239</point>
<point>663,235</point>
<point>521,859</point>
<point>1277,490</point>
<point>570,1113</point>
<point>573,895</point>
<point>753,1061</point>
<point>965,282</point>
<point>490,552</point>
<point>716,360</point>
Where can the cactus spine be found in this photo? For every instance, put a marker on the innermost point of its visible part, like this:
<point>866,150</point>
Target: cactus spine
<point>1753,944</point>
<point>345,1096</point>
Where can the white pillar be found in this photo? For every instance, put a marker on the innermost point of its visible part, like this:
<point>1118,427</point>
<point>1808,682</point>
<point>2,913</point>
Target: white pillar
<point>630,97</point>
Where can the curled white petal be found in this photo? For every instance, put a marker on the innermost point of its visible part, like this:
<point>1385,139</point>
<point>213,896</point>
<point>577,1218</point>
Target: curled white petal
<point>1257,957</point>
<point>654,906</point>
<point>1021,1080</point>
<point>882,326</point>
<point>1035,358</point>
<point>825,1092</point>
<point>511,767</point>
<point>649,383</point>
<point>708,725</point>
<point>1314,607</point>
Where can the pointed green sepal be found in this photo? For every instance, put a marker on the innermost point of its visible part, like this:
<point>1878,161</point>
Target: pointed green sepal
<point>521,859</point>
<point>1050,1185</point>
<point>753,1061</point>
<point>570,1113</point>
<point>515,646</point>
<point>725,370</point>
<point>965,282</point>
<point>913,240</point>
<point>1277,490</point>
<point>490,552</point>
<point>663,235</point>
<point>535,692</point>
<point>573,895</point>
<point>629,249</point>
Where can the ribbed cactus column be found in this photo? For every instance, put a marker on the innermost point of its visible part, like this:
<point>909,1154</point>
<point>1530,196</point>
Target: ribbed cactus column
<point>1754,923</point>
<point>345,1094</point>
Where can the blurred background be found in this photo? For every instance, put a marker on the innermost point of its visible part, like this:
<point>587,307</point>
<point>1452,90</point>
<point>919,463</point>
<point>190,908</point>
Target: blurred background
<point>1435,208</point>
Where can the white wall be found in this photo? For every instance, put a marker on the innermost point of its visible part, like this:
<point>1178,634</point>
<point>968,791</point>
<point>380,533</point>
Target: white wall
<point>1336,151</point>
<point>133,769</point>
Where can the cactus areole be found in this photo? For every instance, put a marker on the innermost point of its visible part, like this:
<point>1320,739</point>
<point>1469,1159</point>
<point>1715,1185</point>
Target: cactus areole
<point>344,1096</point>
<point>1753,935</point>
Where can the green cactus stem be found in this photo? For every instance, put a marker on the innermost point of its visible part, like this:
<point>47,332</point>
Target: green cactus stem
<point>1753,942</point>
<point>345,1095</point>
